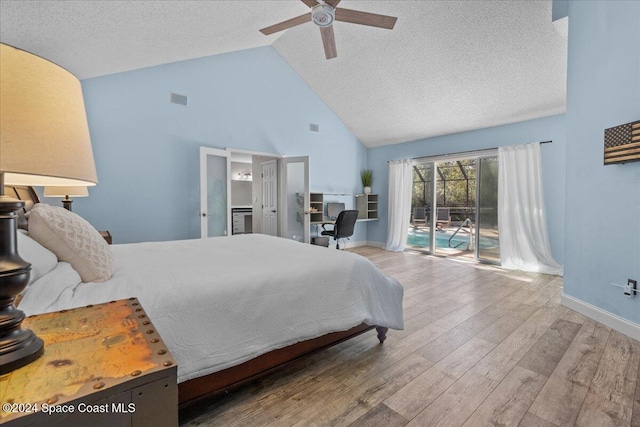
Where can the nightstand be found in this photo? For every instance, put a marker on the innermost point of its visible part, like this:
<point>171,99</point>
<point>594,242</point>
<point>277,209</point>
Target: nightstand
<point>106,236</point>
<point>103,365</point>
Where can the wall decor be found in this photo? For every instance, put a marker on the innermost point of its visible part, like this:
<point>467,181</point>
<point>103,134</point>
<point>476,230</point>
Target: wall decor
<point>622,143</point>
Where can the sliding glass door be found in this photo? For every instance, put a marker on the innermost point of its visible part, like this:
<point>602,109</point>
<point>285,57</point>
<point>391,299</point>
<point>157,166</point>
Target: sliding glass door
<point>422,228</point>
<point>487,242</point>
<point>454,207</point>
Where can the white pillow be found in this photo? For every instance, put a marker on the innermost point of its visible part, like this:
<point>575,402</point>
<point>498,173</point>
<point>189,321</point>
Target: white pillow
<point>73,240</point>
<point>42,259</point>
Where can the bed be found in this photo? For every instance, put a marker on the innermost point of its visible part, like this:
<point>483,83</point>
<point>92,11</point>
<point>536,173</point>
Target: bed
<point>233,308</point>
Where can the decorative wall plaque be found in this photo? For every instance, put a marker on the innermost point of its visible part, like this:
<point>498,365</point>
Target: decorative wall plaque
<point>622,143</point>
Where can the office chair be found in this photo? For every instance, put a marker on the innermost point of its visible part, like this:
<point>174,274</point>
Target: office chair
<point>343,228</point>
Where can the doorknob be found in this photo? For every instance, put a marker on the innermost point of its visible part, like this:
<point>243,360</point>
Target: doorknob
<point>273,210</point>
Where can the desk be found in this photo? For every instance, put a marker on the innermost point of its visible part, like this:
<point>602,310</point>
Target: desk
<point>323,222</point>
<point>332,222</point>
<point>366,204</point>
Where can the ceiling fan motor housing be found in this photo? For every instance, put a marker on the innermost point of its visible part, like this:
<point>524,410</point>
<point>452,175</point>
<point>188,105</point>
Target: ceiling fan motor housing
<point>323,15</point>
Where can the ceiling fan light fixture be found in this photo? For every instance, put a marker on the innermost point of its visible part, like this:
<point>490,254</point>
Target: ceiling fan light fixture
<point>323,15</point>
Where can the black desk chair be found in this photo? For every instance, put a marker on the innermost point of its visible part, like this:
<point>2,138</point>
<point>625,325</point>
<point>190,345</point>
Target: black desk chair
<point>343,228</point>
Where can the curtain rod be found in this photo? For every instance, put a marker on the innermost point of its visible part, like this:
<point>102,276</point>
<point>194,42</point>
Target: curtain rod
<point>464,152</point>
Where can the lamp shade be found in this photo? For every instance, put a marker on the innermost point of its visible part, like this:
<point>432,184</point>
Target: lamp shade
<point>44,135</point>
<point>66,191</point>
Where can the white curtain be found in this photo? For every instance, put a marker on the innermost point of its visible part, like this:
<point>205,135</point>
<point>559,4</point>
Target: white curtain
<point>524,242</point>
<point>400,188</point>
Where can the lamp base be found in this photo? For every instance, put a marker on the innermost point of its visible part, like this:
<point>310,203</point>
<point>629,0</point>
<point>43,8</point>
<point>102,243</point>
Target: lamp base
<point>22,348</point>
<point>66,203</point>
<point>18,347</point>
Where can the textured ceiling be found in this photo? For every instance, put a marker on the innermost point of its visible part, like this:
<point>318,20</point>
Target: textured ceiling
<point>447,67</point>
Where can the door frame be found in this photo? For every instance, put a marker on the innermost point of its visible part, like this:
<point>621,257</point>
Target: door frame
<point>278,195</point>
<point>257,207</point>
<point>478,154</point>
<point>204,152</point>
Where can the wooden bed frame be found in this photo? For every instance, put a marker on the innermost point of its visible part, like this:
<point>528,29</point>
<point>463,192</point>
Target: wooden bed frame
<point>197,389</point>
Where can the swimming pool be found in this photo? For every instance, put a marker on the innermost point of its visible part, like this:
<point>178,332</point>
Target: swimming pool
<point>421,238</point>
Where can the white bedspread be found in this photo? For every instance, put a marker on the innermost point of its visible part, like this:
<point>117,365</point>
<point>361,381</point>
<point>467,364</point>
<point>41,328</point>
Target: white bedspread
<point>221,301</point>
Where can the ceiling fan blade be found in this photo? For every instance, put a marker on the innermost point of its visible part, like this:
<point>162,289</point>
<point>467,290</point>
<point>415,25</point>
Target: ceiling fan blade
<point>332,3</point>
<point>329,42</point>
<point>310,3</point>
<point>286,24</point>
<point>365,18</point>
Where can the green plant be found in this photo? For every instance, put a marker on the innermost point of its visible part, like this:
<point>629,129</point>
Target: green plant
<point>367,177</point>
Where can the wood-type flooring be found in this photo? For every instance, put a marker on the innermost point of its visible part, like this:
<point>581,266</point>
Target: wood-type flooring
<point>481,346</point>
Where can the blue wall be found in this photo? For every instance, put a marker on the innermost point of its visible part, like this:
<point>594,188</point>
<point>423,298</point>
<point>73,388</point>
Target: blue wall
<point>553,162</point>
<point>147,149</point>
<point>603,202</point>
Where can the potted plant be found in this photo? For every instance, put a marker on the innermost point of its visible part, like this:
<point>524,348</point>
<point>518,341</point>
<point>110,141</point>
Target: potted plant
<point>367,179</point>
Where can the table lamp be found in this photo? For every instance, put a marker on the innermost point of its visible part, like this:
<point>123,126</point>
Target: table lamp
<point>44,140</point>
<point>65,192</point>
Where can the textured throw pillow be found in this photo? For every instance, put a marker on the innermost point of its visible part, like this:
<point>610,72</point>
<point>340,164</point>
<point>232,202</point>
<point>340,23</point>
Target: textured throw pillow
<point>73,240</point>
<point>42,259</point>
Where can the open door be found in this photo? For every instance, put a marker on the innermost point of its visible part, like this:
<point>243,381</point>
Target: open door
<point>295,198</point>
<point>215,190</point>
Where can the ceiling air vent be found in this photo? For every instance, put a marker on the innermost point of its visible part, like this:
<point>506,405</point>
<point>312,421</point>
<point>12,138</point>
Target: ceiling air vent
<point>178,99</point>
<point>314,127</point>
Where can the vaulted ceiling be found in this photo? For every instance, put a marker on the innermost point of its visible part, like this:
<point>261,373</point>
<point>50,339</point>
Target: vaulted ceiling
<point>446,67</point>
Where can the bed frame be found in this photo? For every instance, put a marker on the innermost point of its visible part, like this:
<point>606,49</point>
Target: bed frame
<point>197,389</point>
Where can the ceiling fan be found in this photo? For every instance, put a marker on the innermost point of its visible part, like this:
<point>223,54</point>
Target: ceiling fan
<point>323,13</point>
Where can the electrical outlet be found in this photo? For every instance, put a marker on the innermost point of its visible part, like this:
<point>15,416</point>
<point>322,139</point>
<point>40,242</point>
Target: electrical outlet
<point>633,287</point>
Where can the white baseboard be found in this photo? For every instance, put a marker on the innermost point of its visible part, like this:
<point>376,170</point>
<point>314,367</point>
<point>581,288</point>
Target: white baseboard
<point>599,315</point>
<point>349,243</point>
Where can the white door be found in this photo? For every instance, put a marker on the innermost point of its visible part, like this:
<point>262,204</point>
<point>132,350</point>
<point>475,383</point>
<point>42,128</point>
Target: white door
<point>270,198</point>
<point>296,200</point>
<point>215,188</point>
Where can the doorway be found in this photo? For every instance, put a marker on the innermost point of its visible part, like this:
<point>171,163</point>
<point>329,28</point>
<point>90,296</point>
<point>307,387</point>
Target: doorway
<point>231,191</point>
<point>454,207</point>
<point>245,192</point>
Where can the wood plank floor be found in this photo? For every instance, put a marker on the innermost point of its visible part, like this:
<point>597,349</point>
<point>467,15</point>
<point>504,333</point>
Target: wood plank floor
<point>481,347</point>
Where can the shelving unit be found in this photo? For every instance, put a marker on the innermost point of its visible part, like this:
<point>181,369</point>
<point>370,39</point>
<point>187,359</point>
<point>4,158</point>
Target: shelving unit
<point>316,200</point>
<point>367,205</point>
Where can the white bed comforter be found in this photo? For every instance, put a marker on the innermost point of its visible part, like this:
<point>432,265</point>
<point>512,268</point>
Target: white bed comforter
<point>221,301</point>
